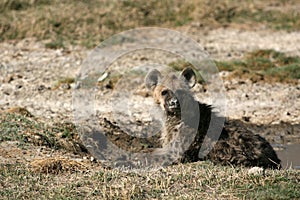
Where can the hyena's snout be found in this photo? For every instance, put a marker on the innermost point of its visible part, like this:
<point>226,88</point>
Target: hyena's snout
<point>173,103</point>
<point>170,101</point>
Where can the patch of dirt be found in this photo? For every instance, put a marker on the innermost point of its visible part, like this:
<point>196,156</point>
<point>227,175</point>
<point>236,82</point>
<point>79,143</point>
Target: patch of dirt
<point>224,44</point>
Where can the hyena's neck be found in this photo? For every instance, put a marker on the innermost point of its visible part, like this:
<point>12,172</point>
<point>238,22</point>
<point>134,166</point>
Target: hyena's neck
<point>197,120</point>
<point>196,117</point>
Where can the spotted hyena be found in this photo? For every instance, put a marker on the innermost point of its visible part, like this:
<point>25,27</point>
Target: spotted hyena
<point>189,120</point>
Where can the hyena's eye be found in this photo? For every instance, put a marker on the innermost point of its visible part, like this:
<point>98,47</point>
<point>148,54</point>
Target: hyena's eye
<point>164,92</point>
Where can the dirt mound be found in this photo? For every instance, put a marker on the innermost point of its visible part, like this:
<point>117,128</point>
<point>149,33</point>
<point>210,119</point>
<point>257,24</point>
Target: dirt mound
<point>57,165</point>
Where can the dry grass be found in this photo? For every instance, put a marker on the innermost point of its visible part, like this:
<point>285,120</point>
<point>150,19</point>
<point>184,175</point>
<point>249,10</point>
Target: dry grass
<point>199,180</point>
<point>62,178</point>
<point>87,23</point>
<point>57,165</point>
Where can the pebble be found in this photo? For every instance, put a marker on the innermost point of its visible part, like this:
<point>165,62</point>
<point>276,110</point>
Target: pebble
<point>103,77</point>
<point>256,171</point>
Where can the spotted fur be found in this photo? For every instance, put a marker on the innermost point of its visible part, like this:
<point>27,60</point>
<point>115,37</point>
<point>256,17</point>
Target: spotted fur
<point>188,121</point>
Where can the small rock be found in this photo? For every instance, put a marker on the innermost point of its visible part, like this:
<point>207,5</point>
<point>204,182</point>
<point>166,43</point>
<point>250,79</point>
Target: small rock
<point>19,76</point>
<point>103,77</point>
<point>7,91</point>
<point>37,137</point>
<point>75,85</point>
<point>8,79</point>
<point>245,95</point>
<point>65,86</point>
<point>19,86</point>
<point>41,88</point>
<point>246,118</point>
<point>109,85</point>
<point>144,58</point>
<point>256,170</point>
<point>147,119</point>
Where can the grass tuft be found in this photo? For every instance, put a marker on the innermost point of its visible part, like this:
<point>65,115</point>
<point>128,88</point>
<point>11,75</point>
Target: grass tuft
<point>264,64</point>
<point>268,65</point>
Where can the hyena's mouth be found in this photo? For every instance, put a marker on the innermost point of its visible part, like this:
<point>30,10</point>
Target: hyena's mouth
<point>172,105</point>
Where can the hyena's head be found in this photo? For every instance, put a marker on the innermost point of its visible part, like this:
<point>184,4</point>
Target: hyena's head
<point>171,91</point>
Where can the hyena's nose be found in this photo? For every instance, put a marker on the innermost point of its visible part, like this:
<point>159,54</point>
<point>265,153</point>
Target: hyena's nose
<point>173,103</point>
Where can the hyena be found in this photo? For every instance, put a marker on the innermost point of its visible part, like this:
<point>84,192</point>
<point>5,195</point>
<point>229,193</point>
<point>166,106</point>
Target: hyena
<point>236,145</point>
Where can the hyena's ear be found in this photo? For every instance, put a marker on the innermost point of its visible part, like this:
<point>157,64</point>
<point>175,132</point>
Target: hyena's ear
<point>152,79</point>
<point>189,76</point>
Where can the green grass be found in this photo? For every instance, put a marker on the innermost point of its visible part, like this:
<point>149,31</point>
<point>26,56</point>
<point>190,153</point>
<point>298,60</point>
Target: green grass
<point>28,130</point>
<point>274,19</point>
<point>87,23</point>
<point>197,180</point>
<point>58,43</point>
<point>268,64</point>
<point>64,80</point>
<point>264,64</point>
<point>14,127</point>
<point>201,180</point>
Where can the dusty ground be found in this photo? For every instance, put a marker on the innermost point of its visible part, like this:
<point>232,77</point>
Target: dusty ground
<point>30,74</point>
<point>34,77</point>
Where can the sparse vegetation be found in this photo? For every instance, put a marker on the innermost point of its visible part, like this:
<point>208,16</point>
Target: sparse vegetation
<point>88,23</point>
<point>64,82</point>
<point>196,180</point>
<point>28,130</point>
<point>60,23</point>
<point>264,64</point>
<point>55,178</point>
<point>268,65</point>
